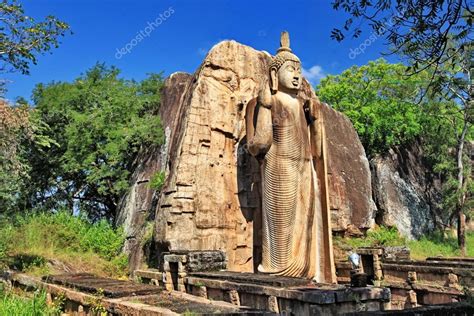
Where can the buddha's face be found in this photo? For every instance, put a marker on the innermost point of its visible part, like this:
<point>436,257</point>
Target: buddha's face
<point>289,77</point>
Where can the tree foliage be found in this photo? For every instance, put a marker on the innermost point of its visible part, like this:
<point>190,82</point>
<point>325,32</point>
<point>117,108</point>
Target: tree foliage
<point>21,37</point>
<point>418,30</point>
<point>99,122</point>
<point>19,131</point>
<point>379,100</point>
<point>14,129</point>
<point>383,104</point>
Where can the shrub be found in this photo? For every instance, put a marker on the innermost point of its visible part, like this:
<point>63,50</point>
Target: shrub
<point>157,180</point>
<point>6,232</point>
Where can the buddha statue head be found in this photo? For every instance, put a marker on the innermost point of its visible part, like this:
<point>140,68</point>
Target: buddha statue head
<point>285,69</point>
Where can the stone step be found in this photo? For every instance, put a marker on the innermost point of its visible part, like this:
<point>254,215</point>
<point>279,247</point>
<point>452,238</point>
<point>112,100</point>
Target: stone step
<point>387,267</point>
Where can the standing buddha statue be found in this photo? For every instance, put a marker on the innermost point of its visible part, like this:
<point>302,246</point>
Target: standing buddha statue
<point>285,133</point>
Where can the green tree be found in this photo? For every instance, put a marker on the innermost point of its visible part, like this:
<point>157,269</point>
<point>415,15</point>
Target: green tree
<point>18,131</point>
<point>431,35</point>
<point>379,100</point>
<point>22,38</point>
<point>456,80</point>
<point>14,128</point>
<point>385,108</point>
<point>99,121</point>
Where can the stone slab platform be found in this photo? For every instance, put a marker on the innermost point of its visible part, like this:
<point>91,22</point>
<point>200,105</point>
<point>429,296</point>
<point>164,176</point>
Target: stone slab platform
<point>454,309</point>
<point>434,262</point>
<point>253,278</point>
<point>163,303</point>
<point>108,287</point>
<point>281,294</point>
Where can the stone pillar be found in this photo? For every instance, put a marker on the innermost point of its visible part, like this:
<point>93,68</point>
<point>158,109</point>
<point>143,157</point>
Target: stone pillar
<point>412,278</point>
<point>234,297</point>
<point>168,281</point>
<point>273,304</point>
<point>378,273</point>
<point>202,291</point>
<point>181,278</point>
<point>178,275</point>
<point>49,299</point>
<point>412,298</point>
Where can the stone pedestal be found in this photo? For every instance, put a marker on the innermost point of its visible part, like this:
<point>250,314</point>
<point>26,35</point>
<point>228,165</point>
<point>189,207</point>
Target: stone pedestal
<point>176,266</point>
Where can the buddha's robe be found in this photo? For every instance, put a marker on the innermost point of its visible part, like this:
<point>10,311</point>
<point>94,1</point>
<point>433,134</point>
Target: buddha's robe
<point>294,199</point>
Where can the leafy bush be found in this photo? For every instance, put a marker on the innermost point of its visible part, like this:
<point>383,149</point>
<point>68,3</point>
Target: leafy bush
<point>5,239</point>
<point>99,123</point>
<point>386,236</point>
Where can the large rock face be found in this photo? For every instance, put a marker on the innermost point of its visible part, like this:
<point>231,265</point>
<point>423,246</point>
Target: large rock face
<point>350,191</point>
<point>405,191</point>
<point>211,199</point>
<point>138,205</point>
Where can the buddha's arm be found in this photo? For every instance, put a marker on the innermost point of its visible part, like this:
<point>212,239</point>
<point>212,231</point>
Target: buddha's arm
<point>259,127</point>
<point>315,127</point>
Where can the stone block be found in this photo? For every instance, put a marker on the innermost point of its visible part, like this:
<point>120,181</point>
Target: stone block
<point>214,260</point>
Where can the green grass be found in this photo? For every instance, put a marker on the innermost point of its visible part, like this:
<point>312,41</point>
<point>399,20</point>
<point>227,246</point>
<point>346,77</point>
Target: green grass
<point>15,305</point>
<point>428,246</point>
<point>29,242</point>
<point>437,245</point>
<point>380,236</point>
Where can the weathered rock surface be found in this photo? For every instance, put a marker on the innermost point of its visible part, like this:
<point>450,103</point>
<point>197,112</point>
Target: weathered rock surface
<point>396,253</point>
<point>135,207</point>
<point>206,261</point>
<point>138,205</point>
<point>406,194</point>
<point>350,191</point>
<point>211,199</point>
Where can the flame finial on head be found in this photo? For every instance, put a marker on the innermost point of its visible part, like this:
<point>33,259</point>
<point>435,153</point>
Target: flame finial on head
<point>284,42</point>
<point>284,53</point>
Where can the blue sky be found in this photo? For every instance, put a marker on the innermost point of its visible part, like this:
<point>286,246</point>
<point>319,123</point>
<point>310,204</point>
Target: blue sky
<point>184,31</point>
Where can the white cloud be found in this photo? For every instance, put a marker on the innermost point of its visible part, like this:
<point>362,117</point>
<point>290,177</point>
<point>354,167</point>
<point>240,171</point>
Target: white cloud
<point>314,74</point>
